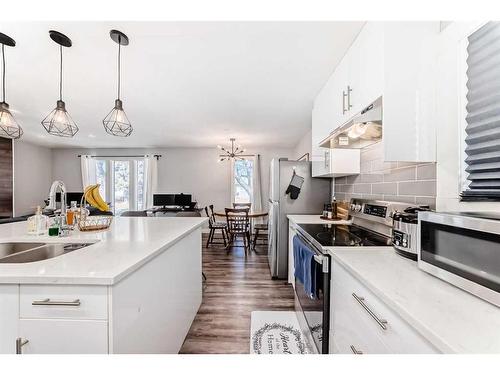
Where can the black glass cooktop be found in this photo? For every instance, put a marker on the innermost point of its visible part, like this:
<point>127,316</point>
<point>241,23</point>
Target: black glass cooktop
<point>344,235</point>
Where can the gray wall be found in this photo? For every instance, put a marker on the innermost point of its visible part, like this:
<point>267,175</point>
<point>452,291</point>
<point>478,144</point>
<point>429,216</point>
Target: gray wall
<point>303,146</point>
<point>32,176</point>
<point>392,181</point>
<point>189,170</point>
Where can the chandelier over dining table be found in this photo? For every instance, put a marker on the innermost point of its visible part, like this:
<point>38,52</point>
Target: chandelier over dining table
<point>232,152</point>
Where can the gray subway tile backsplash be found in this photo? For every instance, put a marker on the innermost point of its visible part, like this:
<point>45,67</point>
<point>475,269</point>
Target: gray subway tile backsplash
<point>401,174</point>
<point>413,183</point>
<point>418,188</point>
<point>385,188</point>
<point>426,172</point>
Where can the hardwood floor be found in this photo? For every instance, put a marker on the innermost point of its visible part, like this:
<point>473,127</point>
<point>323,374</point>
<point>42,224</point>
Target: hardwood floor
<point>235,287</point>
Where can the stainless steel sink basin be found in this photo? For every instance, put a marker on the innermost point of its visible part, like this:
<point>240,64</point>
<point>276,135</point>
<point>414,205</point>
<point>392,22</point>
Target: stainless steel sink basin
<point>40,252</point>
<point>16,247</point>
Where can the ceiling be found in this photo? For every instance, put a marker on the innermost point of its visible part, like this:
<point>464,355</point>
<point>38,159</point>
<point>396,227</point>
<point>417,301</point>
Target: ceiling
<point>184,84</point>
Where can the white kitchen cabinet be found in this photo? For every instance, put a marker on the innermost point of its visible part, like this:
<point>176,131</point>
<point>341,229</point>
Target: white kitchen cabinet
<point>148,311</point>
<point>369,46</point>
<point>362,324</point>
<point>409,98</point>
<point>337,162</point>
<point>9,313</point>
<point>395,61</point>
<point>59,336</point>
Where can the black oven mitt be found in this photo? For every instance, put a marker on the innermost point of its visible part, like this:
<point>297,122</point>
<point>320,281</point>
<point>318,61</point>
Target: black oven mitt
<point>295,186</point>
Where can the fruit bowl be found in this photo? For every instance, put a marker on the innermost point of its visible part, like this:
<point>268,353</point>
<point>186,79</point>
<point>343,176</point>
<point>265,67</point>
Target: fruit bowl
<point>91,223</point>
<point>88,223</point>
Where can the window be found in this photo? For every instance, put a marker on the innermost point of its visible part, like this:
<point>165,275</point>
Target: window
<point>482,118</point>
<point>122,183</point>
<point>242,174</point>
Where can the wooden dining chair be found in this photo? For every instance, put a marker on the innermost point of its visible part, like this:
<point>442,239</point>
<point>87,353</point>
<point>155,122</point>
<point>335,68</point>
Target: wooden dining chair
<point>214,226</point>
<point>262,230</point>
<point>242,205</point>
<point>238,225</point>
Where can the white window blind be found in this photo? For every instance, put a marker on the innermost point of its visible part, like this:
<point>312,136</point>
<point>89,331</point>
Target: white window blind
<point>483,114</point>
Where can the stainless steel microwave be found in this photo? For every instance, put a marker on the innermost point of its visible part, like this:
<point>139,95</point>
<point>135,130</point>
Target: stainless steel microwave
<point>462,249</point>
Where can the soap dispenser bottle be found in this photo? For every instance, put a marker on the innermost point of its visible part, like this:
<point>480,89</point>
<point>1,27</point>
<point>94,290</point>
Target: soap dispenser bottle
<point>37,224</point>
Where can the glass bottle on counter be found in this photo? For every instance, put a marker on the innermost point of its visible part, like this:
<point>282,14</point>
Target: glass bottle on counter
<point>38,223</point>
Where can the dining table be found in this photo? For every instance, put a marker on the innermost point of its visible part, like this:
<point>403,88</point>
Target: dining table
<point>252,214</point>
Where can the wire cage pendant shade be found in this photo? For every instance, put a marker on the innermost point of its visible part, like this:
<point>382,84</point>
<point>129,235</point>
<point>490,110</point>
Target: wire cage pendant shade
<point>116,121</point>
<point>58,122</point>
<point>9,128</point>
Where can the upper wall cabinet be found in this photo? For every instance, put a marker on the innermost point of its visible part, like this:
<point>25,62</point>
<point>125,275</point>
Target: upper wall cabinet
<point>409,97</point>
<point>395,61</point>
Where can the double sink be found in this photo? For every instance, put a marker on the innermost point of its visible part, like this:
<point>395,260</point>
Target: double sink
<point>27,252</point>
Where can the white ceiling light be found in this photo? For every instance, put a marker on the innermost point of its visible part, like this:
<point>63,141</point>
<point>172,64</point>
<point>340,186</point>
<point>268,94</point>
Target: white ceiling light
<point>9,128</point>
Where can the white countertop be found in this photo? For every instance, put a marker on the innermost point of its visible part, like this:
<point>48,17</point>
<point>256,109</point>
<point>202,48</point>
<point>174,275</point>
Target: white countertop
<point>125,246</point>
<point>314,219</point>
<point>451,319</point>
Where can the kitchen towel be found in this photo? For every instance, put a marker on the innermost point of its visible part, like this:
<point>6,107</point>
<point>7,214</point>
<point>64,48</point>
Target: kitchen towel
<point>305,270</point>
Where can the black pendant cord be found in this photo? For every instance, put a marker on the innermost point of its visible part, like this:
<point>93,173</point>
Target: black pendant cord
<point>60,73</point>
<point>119,64</point>
<point>3,73</point>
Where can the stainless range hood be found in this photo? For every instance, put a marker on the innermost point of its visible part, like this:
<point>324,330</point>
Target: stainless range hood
<point>360,131</point>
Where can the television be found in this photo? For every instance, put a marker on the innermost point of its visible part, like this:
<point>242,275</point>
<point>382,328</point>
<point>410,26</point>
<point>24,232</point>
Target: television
<point>183,200</point>
<point>164,200</point>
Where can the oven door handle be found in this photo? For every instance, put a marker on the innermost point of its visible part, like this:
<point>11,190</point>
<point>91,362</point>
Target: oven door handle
<point>323,260</point>
<point>318,256</point>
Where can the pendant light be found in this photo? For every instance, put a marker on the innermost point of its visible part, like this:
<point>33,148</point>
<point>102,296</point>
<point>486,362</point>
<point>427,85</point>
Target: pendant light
<point>232,153</point>
<point>59,122</point>
<point>116,122</point>
<point>9,128</point>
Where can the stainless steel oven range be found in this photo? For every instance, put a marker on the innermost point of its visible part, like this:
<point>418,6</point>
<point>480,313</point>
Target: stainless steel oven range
<point>371,228</point>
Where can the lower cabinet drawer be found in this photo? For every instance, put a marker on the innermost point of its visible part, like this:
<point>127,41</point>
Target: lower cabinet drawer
<point>351,334</point>
<point>63,301</point>
<point>51,336</point>
<point>363,310</point>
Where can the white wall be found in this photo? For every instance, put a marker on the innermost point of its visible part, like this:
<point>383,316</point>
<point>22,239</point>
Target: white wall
<point>303,146</point>
<point>188,170</point>
<point>450,91</point>
<point>32,176</point>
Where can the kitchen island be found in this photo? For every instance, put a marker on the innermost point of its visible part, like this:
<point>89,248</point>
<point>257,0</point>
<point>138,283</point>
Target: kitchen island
<point>135,289</point>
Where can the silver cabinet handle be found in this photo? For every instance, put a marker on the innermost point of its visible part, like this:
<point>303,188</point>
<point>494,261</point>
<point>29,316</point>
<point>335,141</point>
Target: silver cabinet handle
<point>19,345</point>
<point>349,90</point>
<point>48,302</point>
<point>381,322</point>
<point>355,351</point>
<point>344,95</point>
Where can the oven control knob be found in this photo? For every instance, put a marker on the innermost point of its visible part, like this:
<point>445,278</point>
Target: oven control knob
<point>353,207</point>
<point>357,208</point>
<point>397,243</point>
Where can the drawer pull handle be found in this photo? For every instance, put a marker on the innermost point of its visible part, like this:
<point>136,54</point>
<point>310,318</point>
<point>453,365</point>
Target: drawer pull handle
<point>48,302</point>
<point>19,345</point>
<point>355,351</point>
<point>381,322</point>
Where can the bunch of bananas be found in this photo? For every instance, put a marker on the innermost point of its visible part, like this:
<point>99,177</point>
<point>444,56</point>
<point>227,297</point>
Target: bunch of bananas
<point>94,198</point>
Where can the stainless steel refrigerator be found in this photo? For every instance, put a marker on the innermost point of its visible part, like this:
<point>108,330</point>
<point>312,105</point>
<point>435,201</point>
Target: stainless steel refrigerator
<point>313,194</point>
